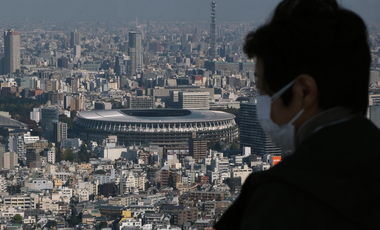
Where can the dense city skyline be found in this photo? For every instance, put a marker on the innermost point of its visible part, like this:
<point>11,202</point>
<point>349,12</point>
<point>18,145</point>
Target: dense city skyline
<point>136,115</point>
<point>164,10</point>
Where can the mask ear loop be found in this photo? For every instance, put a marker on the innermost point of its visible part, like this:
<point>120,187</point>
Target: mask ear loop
<point>296,117</point>
<point>281,91</point>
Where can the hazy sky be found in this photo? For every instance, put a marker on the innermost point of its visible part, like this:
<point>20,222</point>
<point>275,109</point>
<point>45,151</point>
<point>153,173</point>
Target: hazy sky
<point>159,10</point>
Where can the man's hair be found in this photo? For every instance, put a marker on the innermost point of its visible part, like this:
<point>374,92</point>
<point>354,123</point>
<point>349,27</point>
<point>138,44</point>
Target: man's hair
<point>321,39</point>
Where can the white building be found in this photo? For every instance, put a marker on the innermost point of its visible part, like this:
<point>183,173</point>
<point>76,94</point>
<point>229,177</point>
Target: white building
<point>29,139</point>
<point>104,179</point>
<point>35,115</point>
<point>194,100</point>
<point>130,223</point>
<point>112,153</point>
<point>39,184</point>
<point>242,172</point>
<point>50,154</point>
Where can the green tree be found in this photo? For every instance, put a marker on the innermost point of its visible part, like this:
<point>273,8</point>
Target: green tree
<point>58,154</point>
<point>69,155</point>
<point>13,189</point>
<point>18,107</point>
<point>216,146</point>
<point>51,223</point>
<point>67,120</point>
<point>84,155</point>
<point>17,219</point>
<point>234,146</point>
<point>74,220</point>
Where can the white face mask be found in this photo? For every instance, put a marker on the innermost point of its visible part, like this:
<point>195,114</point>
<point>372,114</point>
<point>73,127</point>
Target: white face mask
<point>282,136</point>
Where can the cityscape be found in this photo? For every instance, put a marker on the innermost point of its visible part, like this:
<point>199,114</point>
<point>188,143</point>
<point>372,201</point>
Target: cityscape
<point>141,124</point>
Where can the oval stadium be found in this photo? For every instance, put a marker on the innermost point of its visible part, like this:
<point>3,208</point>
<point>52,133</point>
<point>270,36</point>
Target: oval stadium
<point>164,127</point>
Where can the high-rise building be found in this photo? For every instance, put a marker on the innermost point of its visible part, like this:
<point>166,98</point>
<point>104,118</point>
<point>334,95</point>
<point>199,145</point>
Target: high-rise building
<point>50,154</point>
<point>33,159</point>
<point>59,131</point>
<point>55,97</point>
<point>120,66</point>
<point>74,84</point>
<point>8,160</point>
<point>194,100</point>
<point>11,52</point>
<point>75,39</point>
<point>251,133</point>
<point>35,115</point>
<point>76,104</point>
<point>16,144</point>
<point>77,51</point>
<point>213,32</point>
<point>140,102</point>
<point>49,116</point>
<point>197,148</point>
<point>135,52</point>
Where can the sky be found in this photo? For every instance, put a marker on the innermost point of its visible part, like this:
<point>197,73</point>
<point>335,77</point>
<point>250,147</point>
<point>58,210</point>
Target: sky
<point>157,10</point>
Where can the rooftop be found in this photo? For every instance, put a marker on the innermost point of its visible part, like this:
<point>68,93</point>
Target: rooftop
<point>155,115</point>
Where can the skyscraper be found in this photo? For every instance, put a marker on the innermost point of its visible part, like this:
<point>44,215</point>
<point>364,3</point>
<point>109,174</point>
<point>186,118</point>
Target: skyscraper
<point>135,52</point>
<point>213,32</point>
<point>49,116</point>
<point>120,66</point>
<point>251,133</point>
<point>75,39</point>
<point>59,131</point>
<point>11,52</point>
<point>197,148</point>
<point>77,51</point>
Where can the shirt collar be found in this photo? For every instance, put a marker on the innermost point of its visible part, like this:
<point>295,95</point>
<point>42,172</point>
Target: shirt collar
<point>321,120</point>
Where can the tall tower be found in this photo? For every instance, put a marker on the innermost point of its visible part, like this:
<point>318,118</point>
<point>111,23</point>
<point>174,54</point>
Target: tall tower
<point>75,39</point>
<point>212,32</point>
<point>251,133</point>
<point>135,52</point>
<point>11,51</point>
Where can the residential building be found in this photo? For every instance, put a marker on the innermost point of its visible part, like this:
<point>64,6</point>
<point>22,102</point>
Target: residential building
<point>59,132</point>
<point>8,160</point>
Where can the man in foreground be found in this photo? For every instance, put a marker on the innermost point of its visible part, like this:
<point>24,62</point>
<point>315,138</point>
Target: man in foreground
<point>312,68</point>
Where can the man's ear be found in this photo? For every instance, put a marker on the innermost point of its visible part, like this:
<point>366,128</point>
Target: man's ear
<point>305,91</point>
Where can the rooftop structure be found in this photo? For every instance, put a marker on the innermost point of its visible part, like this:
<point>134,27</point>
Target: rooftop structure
<point>160,126</point>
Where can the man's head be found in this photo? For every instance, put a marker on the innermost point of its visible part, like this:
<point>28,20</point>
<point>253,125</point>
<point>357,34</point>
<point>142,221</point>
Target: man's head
<point>321,46</point>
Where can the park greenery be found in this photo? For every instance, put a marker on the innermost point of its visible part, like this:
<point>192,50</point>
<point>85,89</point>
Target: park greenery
<point>18,107</point>
<point>83,155</point>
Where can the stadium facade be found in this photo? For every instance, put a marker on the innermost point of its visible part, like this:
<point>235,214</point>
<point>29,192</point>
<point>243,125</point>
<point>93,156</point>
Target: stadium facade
<point>164,127</point>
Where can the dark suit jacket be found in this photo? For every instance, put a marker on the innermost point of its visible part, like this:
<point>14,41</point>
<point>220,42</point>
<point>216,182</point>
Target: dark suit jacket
<point>332,181</point>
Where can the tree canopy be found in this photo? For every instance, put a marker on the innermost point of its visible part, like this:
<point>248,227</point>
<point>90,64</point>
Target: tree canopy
<point>18,107</point>
<point>84,155</point>
<point>17,219</point>
<point>68,155</point>
<point>51,223</point>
